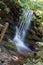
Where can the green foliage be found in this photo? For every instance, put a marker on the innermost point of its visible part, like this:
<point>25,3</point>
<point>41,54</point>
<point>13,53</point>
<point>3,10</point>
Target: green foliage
<point>39,63</point>
<point>10,45</point>
<point>35,5</point>
<point>4,7</point>
<point>7,9</point>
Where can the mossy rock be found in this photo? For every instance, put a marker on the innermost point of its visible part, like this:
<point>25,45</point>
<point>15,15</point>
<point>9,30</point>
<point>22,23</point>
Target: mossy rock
<point>9,45</point>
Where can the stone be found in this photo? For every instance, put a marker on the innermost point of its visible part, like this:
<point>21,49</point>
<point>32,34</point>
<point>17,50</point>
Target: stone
<point>0,49</point>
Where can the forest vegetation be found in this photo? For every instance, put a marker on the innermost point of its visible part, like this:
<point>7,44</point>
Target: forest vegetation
<point>11,12</point>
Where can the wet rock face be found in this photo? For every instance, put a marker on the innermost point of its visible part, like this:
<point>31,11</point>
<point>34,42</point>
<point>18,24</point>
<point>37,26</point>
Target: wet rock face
<point>34,34</point>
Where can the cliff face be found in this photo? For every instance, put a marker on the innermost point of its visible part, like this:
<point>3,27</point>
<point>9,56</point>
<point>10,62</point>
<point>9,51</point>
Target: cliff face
<point>35,32</point>
<point>12,17</point>
<point>34,35</point>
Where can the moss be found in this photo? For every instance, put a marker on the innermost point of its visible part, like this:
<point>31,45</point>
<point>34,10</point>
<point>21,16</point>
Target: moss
<point>24,61</point>
<point>10,44</point>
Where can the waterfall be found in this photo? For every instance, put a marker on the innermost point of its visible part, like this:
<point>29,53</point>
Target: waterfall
<point>21,33</point>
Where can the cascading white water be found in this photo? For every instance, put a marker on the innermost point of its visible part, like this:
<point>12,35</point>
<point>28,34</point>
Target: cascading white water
<point>28,17</point>
<point>21,32</point>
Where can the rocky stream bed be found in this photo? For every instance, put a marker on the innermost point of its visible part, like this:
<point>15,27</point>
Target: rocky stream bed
<point>10,57</point>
